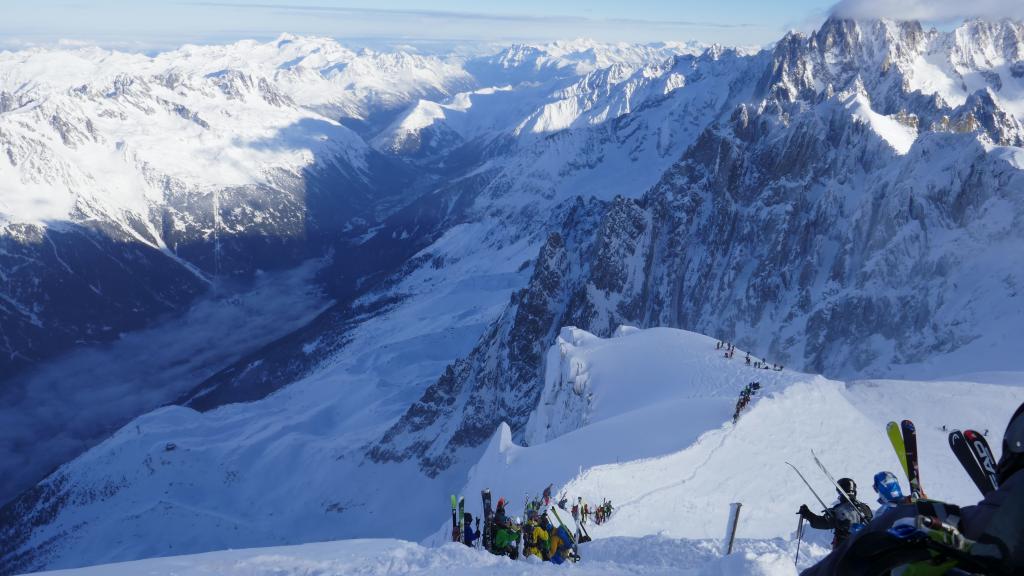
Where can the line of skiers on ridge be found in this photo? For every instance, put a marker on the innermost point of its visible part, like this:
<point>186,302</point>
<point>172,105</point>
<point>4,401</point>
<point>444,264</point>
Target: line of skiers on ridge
<point>730,351</point>
<point>745,396</point>
<point>538,536</point>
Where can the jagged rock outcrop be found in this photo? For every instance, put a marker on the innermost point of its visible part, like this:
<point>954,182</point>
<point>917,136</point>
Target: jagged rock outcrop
<point>822,223</point>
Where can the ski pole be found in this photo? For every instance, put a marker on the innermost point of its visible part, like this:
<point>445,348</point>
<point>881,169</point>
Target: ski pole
<point>846,496</point>
<point>799,538</point>
<point>820,501</point>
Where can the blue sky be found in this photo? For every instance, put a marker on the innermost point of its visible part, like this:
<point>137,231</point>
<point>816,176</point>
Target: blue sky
<point>159,24</point>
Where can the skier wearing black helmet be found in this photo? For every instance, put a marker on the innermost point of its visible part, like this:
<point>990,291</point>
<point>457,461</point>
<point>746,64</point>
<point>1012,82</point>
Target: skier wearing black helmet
<point>845,517</point>
<point>978,522</point>
<point>932,537</point>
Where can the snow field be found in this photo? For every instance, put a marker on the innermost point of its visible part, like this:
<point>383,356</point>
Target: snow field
<point>654,436</point>
<point>653,410</point>
<point>652,556</point>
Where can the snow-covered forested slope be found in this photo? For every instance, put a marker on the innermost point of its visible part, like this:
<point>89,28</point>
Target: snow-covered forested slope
<point>844,203</point>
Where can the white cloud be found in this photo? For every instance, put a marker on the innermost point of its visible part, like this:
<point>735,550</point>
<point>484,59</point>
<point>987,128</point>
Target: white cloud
<point>929,10</point>
<point>42,420</point>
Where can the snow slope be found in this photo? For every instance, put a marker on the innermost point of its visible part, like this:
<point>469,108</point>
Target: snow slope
<point>644,419</point>
<point>640,557</point>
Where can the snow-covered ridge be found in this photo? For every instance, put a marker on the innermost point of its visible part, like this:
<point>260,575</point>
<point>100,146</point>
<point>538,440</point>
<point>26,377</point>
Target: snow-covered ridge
<point>644,419</point>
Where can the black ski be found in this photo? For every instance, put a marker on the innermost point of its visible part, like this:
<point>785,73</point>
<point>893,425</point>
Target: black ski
<point>983,453</point>
<point>963,452</point>
<point>488,533</point>
<point>913,471</point>
<point>462,516</point>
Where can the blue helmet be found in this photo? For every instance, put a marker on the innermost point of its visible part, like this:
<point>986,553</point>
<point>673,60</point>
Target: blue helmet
<point>888,487</point>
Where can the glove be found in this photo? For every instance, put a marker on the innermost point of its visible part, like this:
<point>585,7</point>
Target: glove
<point>805,512</point>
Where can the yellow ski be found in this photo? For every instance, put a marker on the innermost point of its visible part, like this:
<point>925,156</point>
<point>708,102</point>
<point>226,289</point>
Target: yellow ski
<point>896,437</point>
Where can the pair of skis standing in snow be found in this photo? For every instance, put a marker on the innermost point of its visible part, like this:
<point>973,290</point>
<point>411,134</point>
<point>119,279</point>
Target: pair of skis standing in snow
<point>462,523</point>
<point>920,536</point>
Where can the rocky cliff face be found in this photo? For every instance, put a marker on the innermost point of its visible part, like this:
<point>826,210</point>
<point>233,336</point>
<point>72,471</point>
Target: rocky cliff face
<point>498,380</point>
<point>834,220</point>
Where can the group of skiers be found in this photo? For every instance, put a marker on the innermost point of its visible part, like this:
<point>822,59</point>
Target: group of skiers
<point>730,351</point>
<point>729,348</point>
<point>763,364</point>
<point>745,396</point>
<point>538,536</point>
<point>912,534</point>
<point>601,513</point>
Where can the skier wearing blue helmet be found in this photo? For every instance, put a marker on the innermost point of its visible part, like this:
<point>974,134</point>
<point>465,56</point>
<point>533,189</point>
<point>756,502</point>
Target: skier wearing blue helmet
<point>890,495</point>
<point>928,536</point>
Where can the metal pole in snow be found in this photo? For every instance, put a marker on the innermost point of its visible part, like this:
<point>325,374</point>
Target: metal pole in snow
<point>799,538</point>
<point>730,528</point>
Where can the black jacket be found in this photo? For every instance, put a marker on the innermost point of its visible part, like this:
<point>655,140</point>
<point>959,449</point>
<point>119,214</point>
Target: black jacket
<point>840,519</point>
<point>993,520</point>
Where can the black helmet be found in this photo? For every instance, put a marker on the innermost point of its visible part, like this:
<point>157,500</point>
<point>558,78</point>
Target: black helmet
<point>1012,458</point>
<point>848,486</point>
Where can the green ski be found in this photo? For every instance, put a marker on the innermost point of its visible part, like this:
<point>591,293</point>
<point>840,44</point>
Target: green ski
<point>455,522</point>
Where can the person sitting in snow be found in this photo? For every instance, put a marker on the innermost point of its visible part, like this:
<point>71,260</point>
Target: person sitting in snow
<point>500,517</point>
<point>560,545</point>
<point>932,537</point>
<point>890,495</point>
<point>469,536</point>
<point>506,540</point>
<point>844,518</point>
<point>535,539</point>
